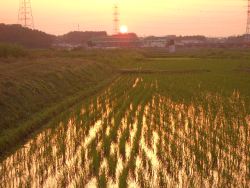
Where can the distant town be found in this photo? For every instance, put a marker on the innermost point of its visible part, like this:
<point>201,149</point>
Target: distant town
<point>100,39</point>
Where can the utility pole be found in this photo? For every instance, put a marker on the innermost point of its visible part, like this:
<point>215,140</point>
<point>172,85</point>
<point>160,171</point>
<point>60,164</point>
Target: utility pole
<point>25,17</point>
<point>116,19</point>
<point>248,19</point>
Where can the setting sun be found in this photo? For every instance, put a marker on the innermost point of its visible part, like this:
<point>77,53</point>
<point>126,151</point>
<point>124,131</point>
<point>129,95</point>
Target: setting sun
<point>123,29</point>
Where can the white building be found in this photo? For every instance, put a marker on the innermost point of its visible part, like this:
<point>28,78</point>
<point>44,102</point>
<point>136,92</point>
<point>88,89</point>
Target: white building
<point>155,42</point>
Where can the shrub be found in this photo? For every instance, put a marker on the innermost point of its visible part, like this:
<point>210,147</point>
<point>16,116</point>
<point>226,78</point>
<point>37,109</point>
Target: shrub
<point>12,50</point>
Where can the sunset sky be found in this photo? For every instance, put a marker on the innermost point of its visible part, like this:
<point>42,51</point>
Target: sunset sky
<point>145,17</point>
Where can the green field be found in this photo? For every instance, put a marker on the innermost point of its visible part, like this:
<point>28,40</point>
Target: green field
<point>142,118</point>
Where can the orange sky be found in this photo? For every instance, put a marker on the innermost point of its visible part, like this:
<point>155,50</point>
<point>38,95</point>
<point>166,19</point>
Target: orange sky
<point>145,17</point>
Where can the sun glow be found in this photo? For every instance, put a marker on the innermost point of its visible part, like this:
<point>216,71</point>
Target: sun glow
<point>123,29</point>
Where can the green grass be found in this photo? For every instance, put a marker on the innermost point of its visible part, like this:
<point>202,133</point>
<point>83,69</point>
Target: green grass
<point>10,50</point>
<point>32,91</point>
<point>194,113</point>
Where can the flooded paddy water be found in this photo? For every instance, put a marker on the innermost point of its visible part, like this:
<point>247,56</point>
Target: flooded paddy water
<point>134,134</point>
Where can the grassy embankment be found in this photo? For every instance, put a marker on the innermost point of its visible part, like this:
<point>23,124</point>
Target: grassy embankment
<point>41,84</point>
<point>38,85</point>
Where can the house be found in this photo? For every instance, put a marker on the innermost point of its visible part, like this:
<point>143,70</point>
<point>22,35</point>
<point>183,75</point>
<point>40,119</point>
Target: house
<point>155,42</point>
<point>128,40</point>
<point>171,46</point>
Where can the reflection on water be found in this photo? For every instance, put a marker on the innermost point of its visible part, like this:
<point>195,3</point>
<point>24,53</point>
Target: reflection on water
<point>130,135</point>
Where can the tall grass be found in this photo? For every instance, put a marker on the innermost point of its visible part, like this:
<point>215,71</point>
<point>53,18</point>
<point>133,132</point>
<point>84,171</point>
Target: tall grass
<point>11,50</point>
<point>199,120</point>
<point>198,133</point>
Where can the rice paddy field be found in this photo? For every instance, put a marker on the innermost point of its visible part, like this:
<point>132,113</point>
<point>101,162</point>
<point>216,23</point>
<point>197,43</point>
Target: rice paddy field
<point>163,122</point>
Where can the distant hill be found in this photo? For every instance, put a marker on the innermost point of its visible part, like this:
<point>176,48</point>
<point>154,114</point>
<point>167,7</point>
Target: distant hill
<point>194,37</point>
<point>25,36</point>
<point>79,37</point>
<point>16,34</point>
<point>238,39</point>
<point>37,39</point>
